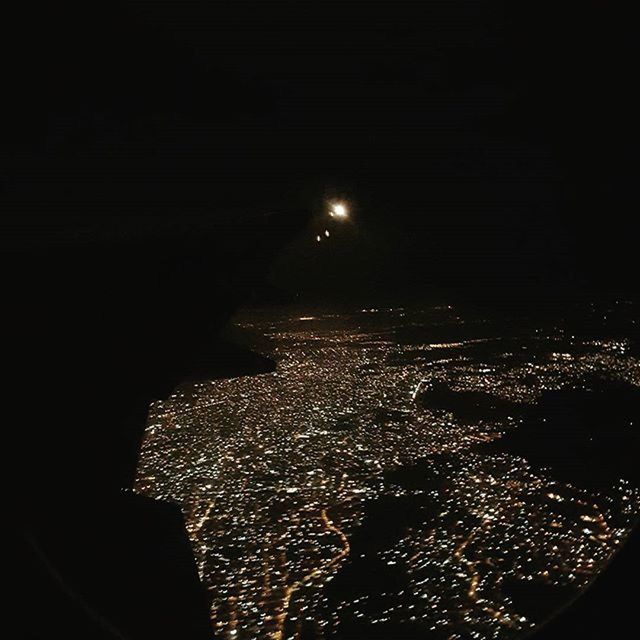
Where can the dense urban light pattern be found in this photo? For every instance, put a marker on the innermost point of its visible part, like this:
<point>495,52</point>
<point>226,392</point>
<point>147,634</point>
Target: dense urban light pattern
<point>329,494</point>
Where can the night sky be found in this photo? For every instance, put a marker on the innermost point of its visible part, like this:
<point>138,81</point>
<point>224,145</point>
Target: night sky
<point>481,145</point>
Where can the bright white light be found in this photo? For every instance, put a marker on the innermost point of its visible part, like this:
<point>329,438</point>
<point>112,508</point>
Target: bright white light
<point>326,232</point>
<point>339,210</point>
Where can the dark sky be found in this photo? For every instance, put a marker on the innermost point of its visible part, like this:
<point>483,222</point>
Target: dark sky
<point>481,143</point>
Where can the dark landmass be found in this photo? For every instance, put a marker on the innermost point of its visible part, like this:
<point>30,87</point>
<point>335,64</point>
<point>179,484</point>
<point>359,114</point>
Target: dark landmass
<point>536,600</point>
<point>386,520</point>
<point>467,406</point>
<point>425,474</point>
<point>389,518</point>
<point>587,436</point>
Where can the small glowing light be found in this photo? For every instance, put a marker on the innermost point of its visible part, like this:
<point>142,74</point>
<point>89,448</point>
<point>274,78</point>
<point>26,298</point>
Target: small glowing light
<point>318,238</point>
<point>326,232</point>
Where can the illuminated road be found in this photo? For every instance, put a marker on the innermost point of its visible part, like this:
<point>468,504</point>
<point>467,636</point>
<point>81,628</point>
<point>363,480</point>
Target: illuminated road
<point>316,573</point>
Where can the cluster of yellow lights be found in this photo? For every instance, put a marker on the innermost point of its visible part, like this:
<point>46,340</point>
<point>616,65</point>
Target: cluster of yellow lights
<point>276,473</point>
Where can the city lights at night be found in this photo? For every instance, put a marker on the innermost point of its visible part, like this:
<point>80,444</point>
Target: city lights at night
<point>282,478</point>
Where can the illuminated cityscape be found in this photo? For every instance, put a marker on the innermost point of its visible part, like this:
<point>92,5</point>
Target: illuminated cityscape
<point>341,491</point>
